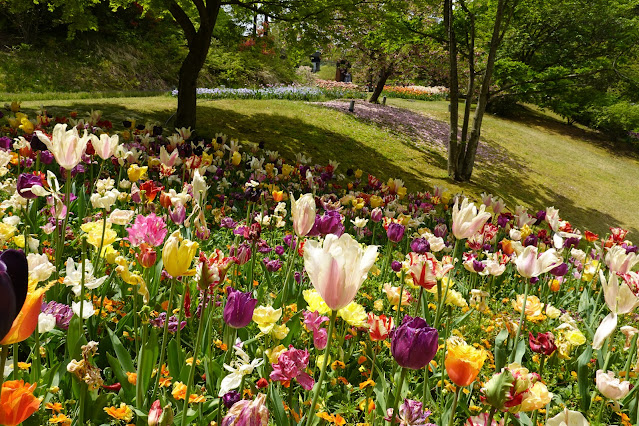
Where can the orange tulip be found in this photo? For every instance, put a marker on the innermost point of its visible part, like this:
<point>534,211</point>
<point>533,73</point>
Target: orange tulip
<point>463,362</point>
<point>17,402</point>
<point>27,320</point>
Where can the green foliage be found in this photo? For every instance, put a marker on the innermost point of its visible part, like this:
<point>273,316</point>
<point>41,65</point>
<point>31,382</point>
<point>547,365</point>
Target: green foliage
<point>618,118</point>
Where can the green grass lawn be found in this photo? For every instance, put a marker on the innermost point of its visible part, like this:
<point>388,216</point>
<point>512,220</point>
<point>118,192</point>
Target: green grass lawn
<point>538,161</point>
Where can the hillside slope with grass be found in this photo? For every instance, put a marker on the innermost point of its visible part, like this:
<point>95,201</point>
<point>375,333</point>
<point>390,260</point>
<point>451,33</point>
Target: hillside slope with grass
<point>533,161</point>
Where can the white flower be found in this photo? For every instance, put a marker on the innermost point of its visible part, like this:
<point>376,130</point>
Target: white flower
<point>467,220</point>
<point>199,188</point>
<point>40,269</point>
<point>46,322</point>
<point>66,145</point>
<point>359,222</point>
<point>121,217</point>
<point>74,276</point>
<point>87,309</point>
<point>11,220</point>
<point>620,300</point>
<point>242,366</point>
<point>103,185</point>
<point>568,418</point>
<point>8,368</point>
<point>105,201</point>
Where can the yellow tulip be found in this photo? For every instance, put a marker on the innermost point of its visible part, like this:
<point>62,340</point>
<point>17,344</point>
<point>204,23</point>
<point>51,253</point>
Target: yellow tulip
<point>178,254</point>
<point>136,172</point>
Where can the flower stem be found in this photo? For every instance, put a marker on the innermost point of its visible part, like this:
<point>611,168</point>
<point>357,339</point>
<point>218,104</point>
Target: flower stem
<point>318,385</point>
<point>454,407</point>
<point>164,333</point>
<point>633,348</point>
<point>419,301</point>
<point>401,293</point>
<point>289,269</point>
<point>200,331</point>
<point>4,353</point>
<point>62,233</point>
<point>398,394</point>
<point>522,318</point>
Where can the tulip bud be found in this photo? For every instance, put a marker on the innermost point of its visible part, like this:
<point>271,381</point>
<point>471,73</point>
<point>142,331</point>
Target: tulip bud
<point>303,213</point>
<point>147,255</point>
<point>155,413</point>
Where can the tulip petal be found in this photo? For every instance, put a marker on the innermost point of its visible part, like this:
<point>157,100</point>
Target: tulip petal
<point>605,329</point>
<point>18,271</point>
<point>27,320</point>
<point>7,305</point>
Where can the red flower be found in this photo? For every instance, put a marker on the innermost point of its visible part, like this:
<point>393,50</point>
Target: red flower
<point>380,326</point>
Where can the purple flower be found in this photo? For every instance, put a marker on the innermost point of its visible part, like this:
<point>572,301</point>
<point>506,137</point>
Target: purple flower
<point>279,250</point>
<point>503,220</point>
<point>420,245</point>
<point>239,308</point>
<point>478,266</point>
<point>328,223</point>
<point>440,230</point>
<point>414,343</point>
<point>60,311</point>
<point>178,214</point>
<point>291,365</point>
<point>571,242</point>
<point>289,240</point>
<point>230,398</point>
<point>241,253</point>
<point>395,232</point>
<point>228,222</point>
<point>531,240</point>
<point>46,157</point>
<point>411,413</point>
<point>376,215</point>
<point>173,322</point>
<point>396,266</point>
<point>25,182</point>
<point>560,270</point>
<point>273,265</point>
<point>5,143</point>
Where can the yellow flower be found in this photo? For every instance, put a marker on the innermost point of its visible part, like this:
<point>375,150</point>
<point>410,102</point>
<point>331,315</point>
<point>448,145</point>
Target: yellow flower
<point>315,302</point>
<point>525,231</point>
<point>178,254</point>
<point>109,253</point>
<point>60,419</point>
<point>287,170</point>
<point>27,125</point>
<point>15,106</point>
<point>590,268</point>
<point>454,298</point>
<point>534,307</point>
<point>24,365</point>
<point>378,305</point>
<point>575,337</point>
<point>274,353</point>
<point>280,332</point>
<point>132,377</point>
<point>358,173</point>
<point>463,362</point>
<point>354,314</point>
<point>94,233</point>
<point>266,317</point>
<point>123,412</point>
<point>536,397</point>
<point>236,158</point>
<point>6,232</point>
<point>136,172</point>
<point>376,201</point>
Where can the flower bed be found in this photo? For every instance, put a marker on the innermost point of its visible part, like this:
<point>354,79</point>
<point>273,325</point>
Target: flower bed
<point>297,93</point>
<point>150,277</point>
<point>423,93</point>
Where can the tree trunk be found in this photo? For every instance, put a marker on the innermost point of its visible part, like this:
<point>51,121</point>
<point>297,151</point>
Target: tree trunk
<point>453,144</point>
<point>473,141</point>
<point>199,44</point>
<point>381,81</point>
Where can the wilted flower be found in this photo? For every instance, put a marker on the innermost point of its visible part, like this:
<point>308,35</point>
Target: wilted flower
<point>254,413</point>
<point>544,343</point>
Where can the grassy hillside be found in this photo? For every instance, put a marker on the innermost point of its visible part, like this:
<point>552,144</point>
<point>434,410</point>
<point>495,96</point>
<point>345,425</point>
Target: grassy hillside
<point>534,161</point>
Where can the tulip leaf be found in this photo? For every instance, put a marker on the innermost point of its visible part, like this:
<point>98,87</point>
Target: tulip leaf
<point>75,338</point>
<point>294,325</point>
<point>176,358</point>
<point>147,361</point>
<point>279,414</point>
<point>583,378</point>
<point>501,349</point>
<point>120,351</point>
<point>120,375</point>
<point>521,350</point>
<point>523,420</point>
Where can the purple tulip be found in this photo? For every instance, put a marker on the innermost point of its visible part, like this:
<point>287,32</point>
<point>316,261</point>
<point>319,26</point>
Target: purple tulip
<point>241,253</point>
<point>178,214</point>
<point>414,343</point>
<point>62,313</point>
<point>396,266</point>
<point>46,157</point>
<point>411,412</point>
<point>25,182</point>
<point>5,143</point>
<point>230,398</point>
<point>14,274</point>
<point>279,250</point>
<point>440,230</point>
<point>571,242</point>
<point>239,308</point>
<point>329,223</point>
<point>376,215</point>
<point>560,270</point>
<point>531,240</point>
<point>503,220</point>
<point>395,232</point>
<point>420,245</point>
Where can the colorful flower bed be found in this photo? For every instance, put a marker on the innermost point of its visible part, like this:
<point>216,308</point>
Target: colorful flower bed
<point>150,277</point>
<point>423,93</point>
<point>296,93</point>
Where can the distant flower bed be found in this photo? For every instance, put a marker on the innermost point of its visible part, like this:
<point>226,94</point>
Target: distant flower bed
<point>330,84</point>
<point>295,93</point>
<point>424,93</point>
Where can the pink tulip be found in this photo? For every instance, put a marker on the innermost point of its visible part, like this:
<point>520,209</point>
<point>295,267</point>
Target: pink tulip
<point>303,213</point>
<point>530,265</point>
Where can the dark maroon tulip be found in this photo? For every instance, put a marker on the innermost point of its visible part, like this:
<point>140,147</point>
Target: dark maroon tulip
<point>560,270</point>
<point>25,182</point>
<point>414,343</point>
<point>396,266</point>
<point>420,245</point>
<point>14,276</point>
<point>395,232</point>
<point>230,398</point>
<point>239,308</point>
<point>544,343</point>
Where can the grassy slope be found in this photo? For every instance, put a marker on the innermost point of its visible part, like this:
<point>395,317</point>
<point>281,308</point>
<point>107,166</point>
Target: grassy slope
<point>538,162</point>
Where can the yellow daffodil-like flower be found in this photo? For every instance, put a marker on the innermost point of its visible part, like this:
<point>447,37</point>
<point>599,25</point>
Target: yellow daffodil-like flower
<point>207,159</point>
<point>236,158</point>
<point>376,201</point>
<point>315,302</point>
<point>274,353</point>
<point>27,125</point>
<point>109,253</point>
<point>463,362</point>
<point>354,314</point>
<point>178,254</point>
<point>94,233</point>
<point>287,169</point>
<point>534,307</point>
<point>136,172</point>
<point>15,106</point>
<point>265,317</point>
<point>6,232</point>
<point>123,412</point>
<point>269,167</point>
<point>537,397</point>
<point>280,331</point>
<point>131,278</point>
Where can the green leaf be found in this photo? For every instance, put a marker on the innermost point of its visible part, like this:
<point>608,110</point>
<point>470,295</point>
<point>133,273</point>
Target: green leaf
<point>148,358</point>
<point>120,375</point>
<point>278,412</point>
<point>501,350</point>
<point>120,351</point>
<point>583,378</point>
<point>176,359</point>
